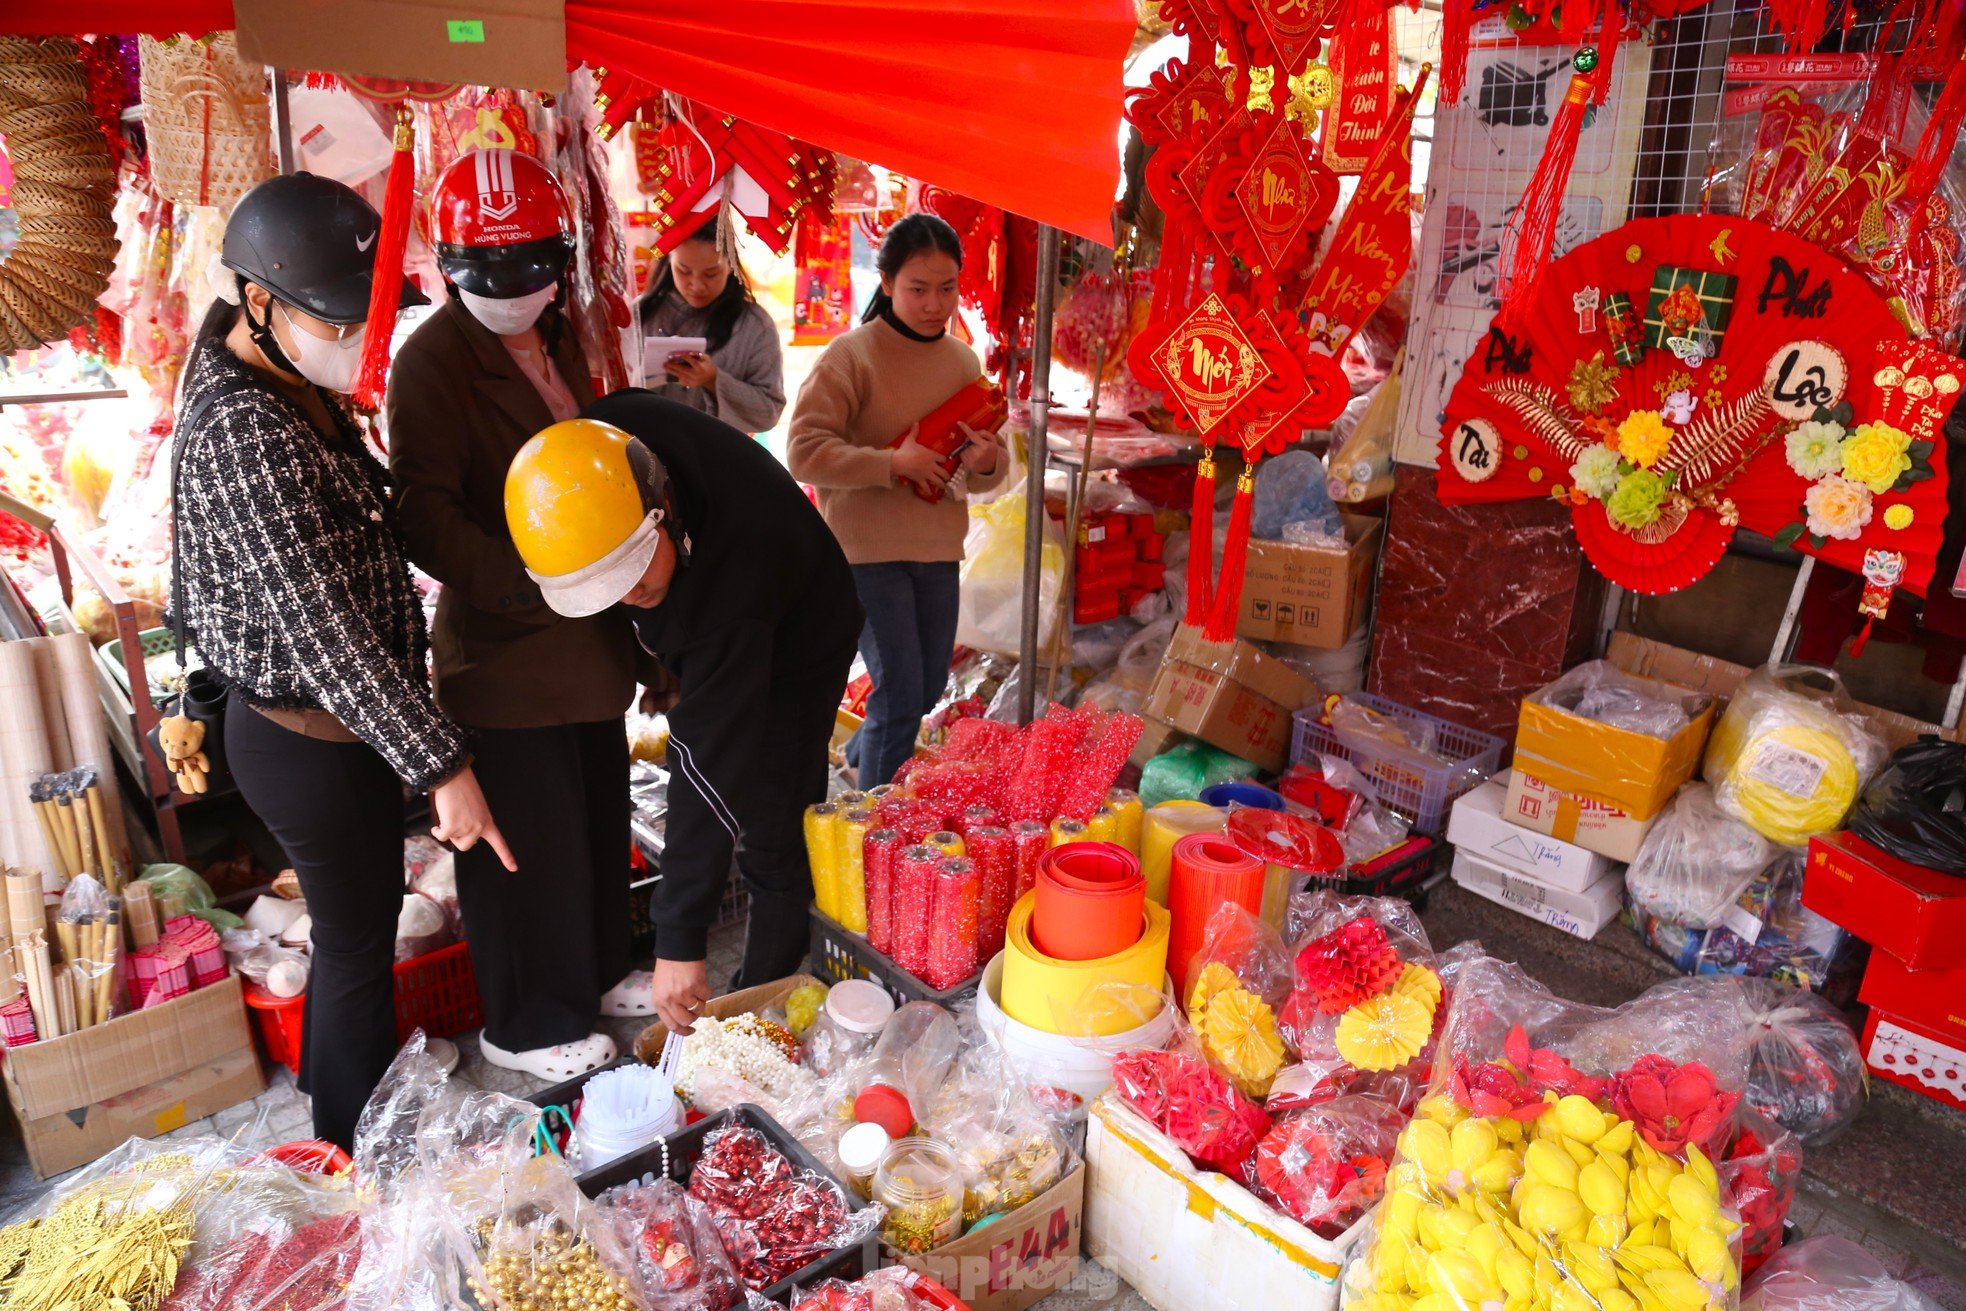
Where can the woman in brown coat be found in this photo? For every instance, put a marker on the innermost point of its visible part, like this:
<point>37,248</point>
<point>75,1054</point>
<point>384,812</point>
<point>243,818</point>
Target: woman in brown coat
<point>542,695</point>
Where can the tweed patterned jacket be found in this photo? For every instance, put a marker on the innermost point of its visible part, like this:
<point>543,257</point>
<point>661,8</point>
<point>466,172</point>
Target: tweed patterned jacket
<point>296,591</point>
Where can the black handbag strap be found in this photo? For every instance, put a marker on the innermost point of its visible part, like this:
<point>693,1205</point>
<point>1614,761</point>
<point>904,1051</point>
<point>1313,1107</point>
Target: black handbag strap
<point>180,438</point>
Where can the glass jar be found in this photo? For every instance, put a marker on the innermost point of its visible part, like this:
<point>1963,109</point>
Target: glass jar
<point>848,1026</point>
<point>922,1188</point>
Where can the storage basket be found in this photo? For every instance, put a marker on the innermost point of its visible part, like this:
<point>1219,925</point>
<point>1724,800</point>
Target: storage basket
<point>436,992</point>
<point>205,114</point>
<point>838,954</point>
<point>1421,795</point>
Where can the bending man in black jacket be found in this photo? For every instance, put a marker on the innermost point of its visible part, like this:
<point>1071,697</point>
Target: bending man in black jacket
<point>731,578</point>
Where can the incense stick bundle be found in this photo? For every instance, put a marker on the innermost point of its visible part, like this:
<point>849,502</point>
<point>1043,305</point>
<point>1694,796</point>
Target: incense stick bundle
<point>88,743</point>
<point>112,952</point>
<point>28,924</point>
<point>140,912</point>
<point>112,863</point>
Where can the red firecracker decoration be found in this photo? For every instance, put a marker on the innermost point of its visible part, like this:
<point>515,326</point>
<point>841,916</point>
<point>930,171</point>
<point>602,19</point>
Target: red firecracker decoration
<point>1353,963</point>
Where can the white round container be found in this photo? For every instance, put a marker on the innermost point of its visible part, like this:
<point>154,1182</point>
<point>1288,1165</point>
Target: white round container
<point>1083,1066</point>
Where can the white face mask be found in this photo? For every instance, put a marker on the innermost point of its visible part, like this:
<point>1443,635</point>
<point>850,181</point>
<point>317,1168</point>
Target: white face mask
<point>324,361</point>
<point>508,318</point>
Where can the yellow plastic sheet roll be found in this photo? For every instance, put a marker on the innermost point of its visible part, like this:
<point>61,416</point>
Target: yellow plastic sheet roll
<point>822,826</point>
<point>1161,828</point>
<point>1071,997</point>
<point>1790,783</point>
<point>851,889</point>
<point>1126,805</point>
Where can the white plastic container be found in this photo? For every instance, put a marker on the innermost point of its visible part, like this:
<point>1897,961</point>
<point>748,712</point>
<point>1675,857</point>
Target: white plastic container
<point>1083,1066</point>
<point>1186,1238</point>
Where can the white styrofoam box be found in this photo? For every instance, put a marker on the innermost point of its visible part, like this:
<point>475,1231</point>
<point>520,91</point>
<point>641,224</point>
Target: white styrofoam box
<point>1186,1238</point>
<point>1478,826</point>
<point>1580,914</point>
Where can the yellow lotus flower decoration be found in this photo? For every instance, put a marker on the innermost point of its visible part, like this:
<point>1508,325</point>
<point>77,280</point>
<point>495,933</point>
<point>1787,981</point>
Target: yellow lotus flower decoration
<point>1385,1032</point>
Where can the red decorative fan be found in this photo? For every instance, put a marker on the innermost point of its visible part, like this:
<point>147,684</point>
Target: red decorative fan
<point>1653,382</point>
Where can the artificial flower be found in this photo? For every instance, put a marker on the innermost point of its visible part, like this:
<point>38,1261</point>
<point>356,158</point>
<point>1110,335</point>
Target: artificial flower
<point>1673,1105</point>
<point>1603,430</point>
<point>1643,437</point>
<point>1419,981</point>
<point>1349,964</point>
<point>1837,508</point>
<point>1712,398</point>
<point>1815,450</point>
<point>1324,1166</point>
<point>1596,471</point>
<point>1239,1036</point>
<point>1384,1033</point>
<point>1192,1104</point>
<point>1593,384</point>
<point>1898,516</point>
<point>1635,501</point>
<point>1212,978</point>
<point>1875,455</point>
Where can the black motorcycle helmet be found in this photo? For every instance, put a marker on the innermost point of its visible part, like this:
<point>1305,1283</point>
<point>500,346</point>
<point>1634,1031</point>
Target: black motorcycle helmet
<point>310,241</point>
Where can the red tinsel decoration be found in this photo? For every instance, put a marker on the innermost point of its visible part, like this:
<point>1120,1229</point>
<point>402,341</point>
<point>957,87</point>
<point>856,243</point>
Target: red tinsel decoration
<point>1350,964</point>
<point>1542,200</point>
<point>399,197</point>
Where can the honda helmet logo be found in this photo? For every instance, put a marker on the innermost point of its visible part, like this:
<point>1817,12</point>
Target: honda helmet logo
<point>497,198</point>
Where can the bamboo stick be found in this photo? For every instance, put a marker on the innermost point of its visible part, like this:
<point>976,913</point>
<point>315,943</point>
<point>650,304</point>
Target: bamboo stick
<point>44,812</point>
<point>85,834</point>
<point>71,845</point>
<point>88,734</point>
<point>112,864</point>
<point>64,1003</point>
<point>112,940</point>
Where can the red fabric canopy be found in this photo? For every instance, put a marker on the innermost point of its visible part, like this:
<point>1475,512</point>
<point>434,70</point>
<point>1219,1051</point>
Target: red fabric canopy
<point>1016,102</point>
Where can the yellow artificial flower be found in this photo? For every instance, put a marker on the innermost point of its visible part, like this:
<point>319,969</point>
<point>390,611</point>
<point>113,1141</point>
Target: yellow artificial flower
<point>1421,982</point>
<point>1213,978</point>
<point>1875,455</point>
<point>1898,516</point>
<point>1385,1032</point>
<point>1239,1035</point>
<point>1643,437</point>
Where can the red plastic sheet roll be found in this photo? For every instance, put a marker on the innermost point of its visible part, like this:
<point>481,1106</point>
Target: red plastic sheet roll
<point>1090,897</point>
<point>1207,872</point>
<point>881,848</point>
<point>914,906</point>
<point>995,857</point>
<point>1030,839</point>
<point>952,930</point>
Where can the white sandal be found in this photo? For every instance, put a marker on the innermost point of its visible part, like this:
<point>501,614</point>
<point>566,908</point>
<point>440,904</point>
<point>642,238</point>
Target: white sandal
<point>633,997</point>
<point>565,1061</point>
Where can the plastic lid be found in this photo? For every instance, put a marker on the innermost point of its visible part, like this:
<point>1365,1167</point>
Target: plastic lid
<point>859,1006</point>
<point>863,1146</point>
<point>886,1107</point>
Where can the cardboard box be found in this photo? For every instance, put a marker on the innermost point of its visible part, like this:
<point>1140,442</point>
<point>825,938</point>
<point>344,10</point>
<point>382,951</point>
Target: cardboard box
<point>1478,825</point>
<point>648,1045</point>
<point>1933,999</point>
<point>1187,1238</point>
<point>1704,673</point>
<point>1904,1051</point>
<point>508,43</point>
<point>1016,1261</point>
<point>1607,830</point>
<point>137,1076</point>
<point>1230,695</point>
<point>1580,914</point>
<point>1914,913</point>
<point>1635,772</point>
<point>1308,596</point>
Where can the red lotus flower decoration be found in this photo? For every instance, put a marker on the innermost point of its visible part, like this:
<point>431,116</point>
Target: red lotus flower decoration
<point>1312,1169</point>
<point>1352,963</point>
<point>1761,1178</point>
<point>1189,1102</point>
<point>1674,1105</point>
<point>1515,1086</point>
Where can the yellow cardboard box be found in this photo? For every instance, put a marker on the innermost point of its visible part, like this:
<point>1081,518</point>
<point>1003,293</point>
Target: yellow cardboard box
<point>1635,772</point>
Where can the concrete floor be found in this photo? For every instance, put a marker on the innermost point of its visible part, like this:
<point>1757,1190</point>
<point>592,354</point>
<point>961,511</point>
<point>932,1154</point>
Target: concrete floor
<point>1892,1184</point>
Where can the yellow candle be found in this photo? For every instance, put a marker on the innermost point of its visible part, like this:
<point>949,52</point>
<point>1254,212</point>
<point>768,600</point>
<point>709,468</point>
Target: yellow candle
<point>852,887</point>
<point>1131,814</point>
<point>1161,828</point>
<point>822,826</point>
<point>1064,831</point>
<point>1104,825</point>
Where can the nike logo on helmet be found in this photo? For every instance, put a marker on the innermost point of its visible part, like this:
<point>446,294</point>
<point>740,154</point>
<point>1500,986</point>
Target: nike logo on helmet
<point>363,243</point>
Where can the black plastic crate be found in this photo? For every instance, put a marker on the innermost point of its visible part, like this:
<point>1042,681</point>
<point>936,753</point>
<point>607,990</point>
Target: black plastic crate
<point>680,1152</point>
<point>839,954</point>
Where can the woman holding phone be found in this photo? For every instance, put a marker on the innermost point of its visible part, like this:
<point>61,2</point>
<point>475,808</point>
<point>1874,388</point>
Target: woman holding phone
<point>701,292</point>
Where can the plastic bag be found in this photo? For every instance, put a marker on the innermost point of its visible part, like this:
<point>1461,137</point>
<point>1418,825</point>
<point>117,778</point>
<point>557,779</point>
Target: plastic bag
<point>679,1257</point>
<point>774,1218</point>
<point>1242,973</point>
<point>1325,1166</point>
<point>1770,934</point>
<point>1828,1273</point>
<point>1291,494</point>
<point>1599,690</point>
<point>1183,771</point>
<point>1503,1193</point>
<point>1696,861</point>
<point>279,970</point>
<point>1193,1104</point>
<point>1761,1170</point>
<point>1790,755</point>
<point>1367,993</point>
<point>992,613</point>
<point>1808,1068</point>
<point>421,928</point>
<point>896,1288</point>
<point>1916,808</point>
<point>1008,1147</point>
<point>178,889</point>
<point>1346,800</point>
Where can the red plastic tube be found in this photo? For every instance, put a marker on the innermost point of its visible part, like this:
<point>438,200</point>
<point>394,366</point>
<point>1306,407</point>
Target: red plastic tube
<point>1207,871</point>
<point>952,930</point>
<point>1030,839</point>
<point>879,851</point>
<point>1091,901</point>
<point>914,906</point>
<point>995,857</point>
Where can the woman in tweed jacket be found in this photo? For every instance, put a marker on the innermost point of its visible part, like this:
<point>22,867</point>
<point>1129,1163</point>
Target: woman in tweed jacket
<point>295,590</point>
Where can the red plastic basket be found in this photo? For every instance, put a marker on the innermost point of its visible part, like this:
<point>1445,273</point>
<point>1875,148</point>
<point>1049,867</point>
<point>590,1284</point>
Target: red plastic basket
<point>436,992</point>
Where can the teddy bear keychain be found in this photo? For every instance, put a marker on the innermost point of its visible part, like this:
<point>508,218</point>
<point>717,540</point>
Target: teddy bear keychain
<point>182,738</point>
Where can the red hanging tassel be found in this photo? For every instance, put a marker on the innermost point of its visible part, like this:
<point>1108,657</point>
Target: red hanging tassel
<point>1542,203</point>
<point>1235,556</point>
<point>1862,639</point>
<point>387,288</point>
<point>1201,540</point>
<point>1935,143</point>
<point>1456,18</point>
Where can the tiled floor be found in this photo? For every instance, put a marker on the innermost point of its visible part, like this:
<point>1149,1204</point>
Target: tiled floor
<point>281,1114</point>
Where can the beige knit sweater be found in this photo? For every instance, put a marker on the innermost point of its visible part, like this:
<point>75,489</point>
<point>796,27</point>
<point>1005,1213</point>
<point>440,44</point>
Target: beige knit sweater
<point>867,388</point>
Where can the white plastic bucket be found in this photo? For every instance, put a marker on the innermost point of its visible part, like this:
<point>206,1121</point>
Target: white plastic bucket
<point>1083,1066</point>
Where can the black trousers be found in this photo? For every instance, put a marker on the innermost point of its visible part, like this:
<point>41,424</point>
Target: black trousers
<point>547,941</point>
<point>336,808</point>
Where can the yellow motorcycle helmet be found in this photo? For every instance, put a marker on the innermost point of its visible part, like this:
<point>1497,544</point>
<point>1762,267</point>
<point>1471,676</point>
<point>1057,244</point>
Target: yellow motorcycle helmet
<point>583,504</point>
